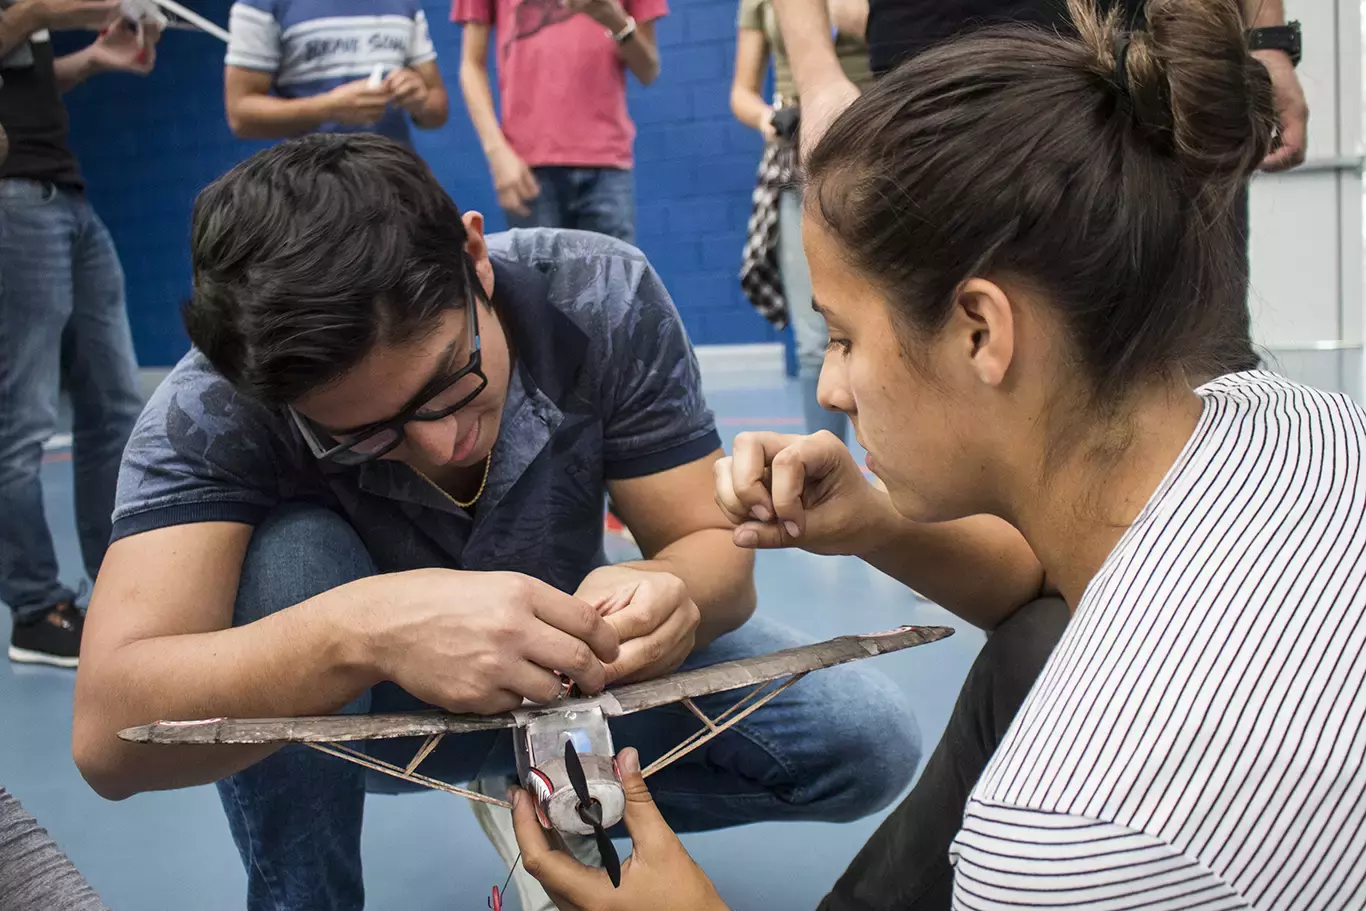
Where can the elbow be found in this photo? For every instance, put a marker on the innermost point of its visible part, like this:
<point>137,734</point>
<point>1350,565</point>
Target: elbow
<point>241,127</point>
<point>90,750</point>
<point>651,74</point>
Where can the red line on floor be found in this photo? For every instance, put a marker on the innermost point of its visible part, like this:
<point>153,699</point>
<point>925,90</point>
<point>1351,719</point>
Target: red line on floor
<point>61,456</point>
<point>760,422</point>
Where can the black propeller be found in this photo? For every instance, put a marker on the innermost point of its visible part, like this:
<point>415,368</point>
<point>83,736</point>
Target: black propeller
<point>590,811</point>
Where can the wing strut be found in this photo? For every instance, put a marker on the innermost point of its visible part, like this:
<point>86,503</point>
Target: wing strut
<point>752,702</point>
<point>410,773</point>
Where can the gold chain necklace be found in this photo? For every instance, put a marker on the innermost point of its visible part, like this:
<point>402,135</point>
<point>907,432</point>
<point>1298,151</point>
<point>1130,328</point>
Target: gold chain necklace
<point>488,463</point>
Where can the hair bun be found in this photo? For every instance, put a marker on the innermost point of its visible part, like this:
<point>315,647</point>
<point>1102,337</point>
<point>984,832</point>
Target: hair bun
<point>1190,85</point>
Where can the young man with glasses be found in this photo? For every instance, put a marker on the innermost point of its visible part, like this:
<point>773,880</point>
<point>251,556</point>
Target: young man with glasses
<point>376,484</point>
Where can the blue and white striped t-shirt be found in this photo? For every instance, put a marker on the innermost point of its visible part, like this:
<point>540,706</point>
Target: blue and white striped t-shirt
<point>313,46</point>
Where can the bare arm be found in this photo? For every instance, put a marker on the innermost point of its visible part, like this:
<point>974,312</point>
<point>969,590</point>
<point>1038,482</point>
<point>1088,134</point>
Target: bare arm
<point>474,86</point>
<point>17,23</point>
<point>680,530</point>
<point>73,69</point>
<point>436,109</point>
<point>980,568</point>
<point>751,60</point>
<point>157,646</point>
<point>805,25</point>
<point>254,113</point>
<point>1259,13</point>
<point>640,53</point>
<point>1292,110</point>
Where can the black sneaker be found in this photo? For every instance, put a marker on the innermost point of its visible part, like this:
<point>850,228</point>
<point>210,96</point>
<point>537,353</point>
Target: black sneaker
<point>54,638</point>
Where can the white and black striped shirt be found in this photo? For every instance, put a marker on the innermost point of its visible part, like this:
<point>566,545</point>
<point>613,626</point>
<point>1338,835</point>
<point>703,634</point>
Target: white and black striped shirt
<point>1197,738</point>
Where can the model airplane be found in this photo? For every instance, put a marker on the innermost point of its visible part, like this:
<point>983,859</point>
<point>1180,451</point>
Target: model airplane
<point>564,748</point>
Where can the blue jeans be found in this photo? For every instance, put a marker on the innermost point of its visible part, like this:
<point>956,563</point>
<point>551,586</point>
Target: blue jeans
<point>838,746</point>
<point>62,318</point>
<point>586,199</point>
<point>809,332</point>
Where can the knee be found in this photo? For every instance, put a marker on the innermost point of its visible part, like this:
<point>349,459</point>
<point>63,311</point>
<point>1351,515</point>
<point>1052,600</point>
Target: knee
<point>875,744</point>
<point>297,552</point>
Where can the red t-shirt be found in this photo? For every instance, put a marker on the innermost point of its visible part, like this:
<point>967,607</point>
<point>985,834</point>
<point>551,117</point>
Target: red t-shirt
<point>561,80</point>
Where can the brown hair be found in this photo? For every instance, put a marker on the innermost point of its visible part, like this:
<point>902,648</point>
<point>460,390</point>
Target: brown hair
<point>1101,174</point>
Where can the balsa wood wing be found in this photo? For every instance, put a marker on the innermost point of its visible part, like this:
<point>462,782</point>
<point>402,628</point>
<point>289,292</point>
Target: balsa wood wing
<point>623,700</point>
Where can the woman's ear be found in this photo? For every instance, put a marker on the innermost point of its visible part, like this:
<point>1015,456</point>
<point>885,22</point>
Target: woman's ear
<point>985,317</point>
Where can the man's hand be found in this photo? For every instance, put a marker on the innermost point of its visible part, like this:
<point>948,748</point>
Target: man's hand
<point>655,619</point>
<point>1292,112</point>
<point>407,89</point>
<point>483,641</point>
<point>514,181</point>
<point>658,874</point>
<point>121,49</point>
<point>357,104</point>
<point>784,490</point>
<point>607,13</point>
<point>821,108</point>
<point>93,15</point>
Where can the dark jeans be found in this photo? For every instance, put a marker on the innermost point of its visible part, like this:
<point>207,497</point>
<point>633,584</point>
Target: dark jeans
<point>905,865</point>
<point>587,199</point>
<point>62,317</point>
<point>838,746</point>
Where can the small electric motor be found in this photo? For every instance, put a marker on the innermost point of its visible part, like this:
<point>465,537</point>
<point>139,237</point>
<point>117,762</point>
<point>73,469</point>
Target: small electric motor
<point>542,768</point>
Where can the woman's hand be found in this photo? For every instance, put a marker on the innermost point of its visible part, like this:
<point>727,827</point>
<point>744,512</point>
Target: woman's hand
<point>783,490</point>
<point>658,874</point>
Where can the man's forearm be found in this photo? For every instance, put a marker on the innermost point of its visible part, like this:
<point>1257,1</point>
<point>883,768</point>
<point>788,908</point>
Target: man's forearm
<point>474,85</point>
<point>805,25</point>
<point>260,116</point>
<point>73,69</point>
<point>980,568</point>
<point>718,575</point>
<point>641,57</point>
<point>435,110</point>
<point>310,659</point>
<point>17,23</point>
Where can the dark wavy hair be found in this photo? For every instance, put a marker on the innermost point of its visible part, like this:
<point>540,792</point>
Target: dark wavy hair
<point>310,253</point>
<point>1099,166</point>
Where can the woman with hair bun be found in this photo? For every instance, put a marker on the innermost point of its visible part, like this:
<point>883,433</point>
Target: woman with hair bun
<point>1023,246</point>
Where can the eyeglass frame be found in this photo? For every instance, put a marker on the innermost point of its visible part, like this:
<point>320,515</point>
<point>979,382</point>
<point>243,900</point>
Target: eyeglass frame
<point>411,411</point>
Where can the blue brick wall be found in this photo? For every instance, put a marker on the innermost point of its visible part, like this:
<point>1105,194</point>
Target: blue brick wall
<point>148,145</point>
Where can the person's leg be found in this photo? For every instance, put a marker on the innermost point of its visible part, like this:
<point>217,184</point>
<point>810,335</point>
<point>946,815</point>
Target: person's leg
<point>36,230</point>
<point>101,372</point>
<point>905,865</point>
<point>838,745</point>
<point>296,815</point>
<point>605,201</point>
<point>808,327</point>
<point>548,209</point>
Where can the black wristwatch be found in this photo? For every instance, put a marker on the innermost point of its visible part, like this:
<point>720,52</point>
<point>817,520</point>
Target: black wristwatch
<point>1277,38</point>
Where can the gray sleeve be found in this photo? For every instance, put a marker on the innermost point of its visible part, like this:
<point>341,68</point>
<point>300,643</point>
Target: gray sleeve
<point>34,873</point>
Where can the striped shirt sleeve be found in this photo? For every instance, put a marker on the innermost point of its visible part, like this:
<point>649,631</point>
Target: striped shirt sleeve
<point>1010,859</point>
<point>254,38</point>
<point>420,49</point>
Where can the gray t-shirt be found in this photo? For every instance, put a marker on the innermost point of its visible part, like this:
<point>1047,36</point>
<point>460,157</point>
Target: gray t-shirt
<point>606,385</point>
<point>34,873</point>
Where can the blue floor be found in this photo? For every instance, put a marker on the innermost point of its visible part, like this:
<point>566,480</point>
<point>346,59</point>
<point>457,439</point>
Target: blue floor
<point>425,852</point>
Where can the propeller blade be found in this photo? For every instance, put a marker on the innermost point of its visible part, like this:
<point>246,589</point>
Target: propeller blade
<point>610,861</point>
<point>574,768</point>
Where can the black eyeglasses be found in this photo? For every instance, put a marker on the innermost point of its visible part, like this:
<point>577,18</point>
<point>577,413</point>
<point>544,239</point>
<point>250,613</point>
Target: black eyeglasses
<point>441,398</point>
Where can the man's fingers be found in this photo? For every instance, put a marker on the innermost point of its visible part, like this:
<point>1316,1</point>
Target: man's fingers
<point>531,681</point>
<point>665,647</point>
<point>723,474</point>
<point>649,832</point>
<point>577,618</point>
<point>530,187</point>
<point>560,873</point>
<point>552,649</point>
